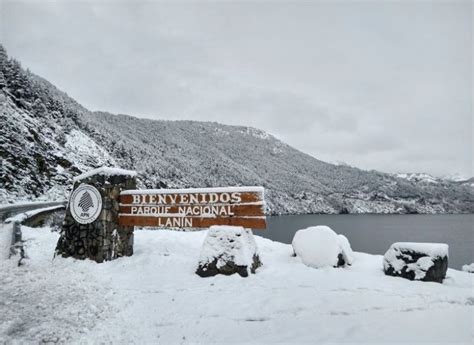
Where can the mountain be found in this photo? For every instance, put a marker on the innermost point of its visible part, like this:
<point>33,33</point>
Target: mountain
<point>47,138</point>
<point>427,178</point>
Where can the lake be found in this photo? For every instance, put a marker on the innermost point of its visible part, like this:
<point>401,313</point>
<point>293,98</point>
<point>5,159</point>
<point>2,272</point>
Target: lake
<point>375,233</point>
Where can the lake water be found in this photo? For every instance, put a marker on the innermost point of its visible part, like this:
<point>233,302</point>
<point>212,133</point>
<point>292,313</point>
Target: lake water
<point>375,233</point>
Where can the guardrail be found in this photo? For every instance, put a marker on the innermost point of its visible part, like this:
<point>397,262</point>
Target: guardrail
<point>11,210</point>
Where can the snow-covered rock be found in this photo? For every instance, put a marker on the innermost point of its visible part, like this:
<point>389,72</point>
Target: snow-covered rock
<point>320,246</point>
<point>417,261</point>
<point>347,252</point>
<point>468,268</point>
<point>228,250</point>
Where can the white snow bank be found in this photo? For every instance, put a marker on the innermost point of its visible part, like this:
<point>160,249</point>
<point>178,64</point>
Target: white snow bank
<point>105,171</point>
<point>320,246</point>
<point>5,241</point>
<point>429,249</point>
<point>155,296</point>
<point>195,190</point>
<point>46,301</point>
<point>468,268</point>
<point>228,243</point>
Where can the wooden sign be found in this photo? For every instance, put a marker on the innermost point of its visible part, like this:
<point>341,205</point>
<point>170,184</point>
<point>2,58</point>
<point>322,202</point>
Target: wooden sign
<point>193,208</point>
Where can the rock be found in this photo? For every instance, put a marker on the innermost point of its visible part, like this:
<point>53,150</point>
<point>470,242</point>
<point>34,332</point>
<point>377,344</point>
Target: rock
<point>417,261</point>
<point>228,250</point>
<point>468,268</point>
<point>347,253</point>
<point>320,246</point>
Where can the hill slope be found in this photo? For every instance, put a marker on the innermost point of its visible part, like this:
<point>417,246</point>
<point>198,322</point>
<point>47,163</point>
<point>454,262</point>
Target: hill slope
<point>47,138</point>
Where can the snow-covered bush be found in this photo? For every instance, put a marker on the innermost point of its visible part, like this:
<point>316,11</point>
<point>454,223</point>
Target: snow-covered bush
<point>468,268</point>
<point>320,246</point>
<point>417,261</point>
<point>228,250</point>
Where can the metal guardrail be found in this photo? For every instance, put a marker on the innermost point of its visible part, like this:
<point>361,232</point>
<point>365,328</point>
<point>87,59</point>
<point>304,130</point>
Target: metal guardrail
<point>11,210</point>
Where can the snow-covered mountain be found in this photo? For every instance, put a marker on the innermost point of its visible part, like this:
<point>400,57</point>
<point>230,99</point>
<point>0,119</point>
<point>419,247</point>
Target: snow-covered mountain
<point>47,138</point>
<point>419,177</point>
<point>427,178</point>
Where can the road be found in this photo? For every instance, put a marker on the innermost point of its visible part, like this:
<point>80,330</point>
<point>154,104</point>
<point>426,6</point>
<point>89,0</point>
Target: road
<point>11,210</point>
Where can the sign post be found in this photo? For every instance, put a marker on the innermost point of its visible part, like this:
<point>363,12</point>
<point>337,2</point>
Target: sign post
<point>104,207</point>
<point>193,208</point>
<point>90,229</point>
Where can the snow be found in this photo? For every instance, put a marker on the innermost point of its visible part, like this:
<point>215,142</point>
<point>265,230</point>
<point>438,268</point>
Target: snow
<point>346,249</point>
<point>457,177</point>
<point>431,249</point>
<point>257,133</point>
<point>85,152</point>
<point>418,177</point>
<point>106,171</point>
<point>195,190</point>
<point>5,241</point>
<point>320,246</point>
<point>468,268</point>
<point>228,243</point>
<point>155,297</point>
<point>421,266</point>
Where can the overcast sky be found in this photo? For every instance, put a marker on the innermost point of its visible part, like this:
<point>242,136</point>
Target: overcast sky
<point>378,85</point>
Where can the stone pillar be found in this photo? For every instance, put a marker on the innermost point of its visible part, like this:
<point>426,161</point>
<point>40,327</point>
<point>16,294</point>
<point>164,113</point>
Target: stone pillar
<point>103,238</point>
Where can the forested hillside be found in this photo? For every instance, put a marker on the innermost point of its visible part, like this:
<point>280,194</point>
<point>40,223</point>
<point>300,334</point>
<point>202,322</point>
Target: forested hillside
<point>47,138</point>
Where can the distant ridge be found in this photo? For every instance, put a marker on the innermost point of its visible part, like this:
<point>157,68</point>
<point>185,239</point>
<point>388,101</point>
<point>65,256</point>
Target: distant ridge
<point>47,138</point>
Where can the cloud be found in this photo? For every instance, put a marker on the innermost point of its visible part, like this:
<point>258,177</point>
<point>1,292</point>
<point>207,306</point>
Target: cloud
<point>379,85</point>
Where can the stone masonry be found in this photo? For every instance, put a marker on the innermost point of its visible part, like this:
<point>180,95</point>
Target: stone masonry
<point>103,239</point>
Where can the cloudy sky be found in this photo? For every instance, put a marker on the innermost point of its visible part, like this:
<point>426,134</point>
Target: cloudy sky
<point>378,85</point>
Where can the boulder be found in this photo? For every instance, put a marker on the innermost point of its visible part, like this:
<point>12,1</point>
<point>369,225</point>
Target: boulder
<point>417,261</point>
<point>468,268</point>
<point>320,246</point>
<point>228,250</point>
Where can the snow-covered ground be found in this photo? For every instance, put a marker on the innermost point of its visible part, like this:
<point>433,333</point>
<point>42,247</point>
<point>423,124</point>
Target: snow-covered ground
<point>155,297</point>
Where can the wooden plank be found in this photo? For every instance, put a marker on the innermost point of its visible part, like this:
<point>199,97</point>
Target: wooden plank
<point>194,222</point>
<point>196,210</point>
<point>186,199</point>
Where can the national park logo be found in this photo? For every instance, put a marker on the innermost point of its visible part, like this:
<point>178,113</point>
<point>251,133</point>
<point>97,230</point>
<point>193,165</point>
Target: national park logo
<point>85,204</point>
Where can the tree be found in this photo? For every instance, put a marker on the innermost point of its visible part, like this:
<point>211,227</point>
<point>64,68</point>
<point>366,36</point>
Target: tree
<point>86,202</point>
<point>3,62</point>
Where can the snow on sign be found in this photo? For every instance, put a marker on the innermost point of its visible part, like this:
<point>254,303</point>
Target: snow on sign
<point>193,208</point>
<point>85,204</point>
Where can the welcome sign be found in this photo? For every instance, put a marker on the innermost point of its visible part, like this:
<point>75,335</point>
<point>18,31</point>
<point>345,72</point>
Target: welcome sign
<point>193,208</point>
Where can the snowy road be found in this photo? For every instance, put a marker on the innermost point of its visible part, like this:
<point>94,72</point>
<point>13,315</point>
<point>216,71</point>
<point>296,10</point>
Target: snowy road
<point>155,297</point>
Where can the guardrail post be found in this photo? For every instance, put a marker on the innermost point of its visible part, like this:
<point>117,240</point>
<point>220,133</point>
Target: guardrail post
<point>16,238</point>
